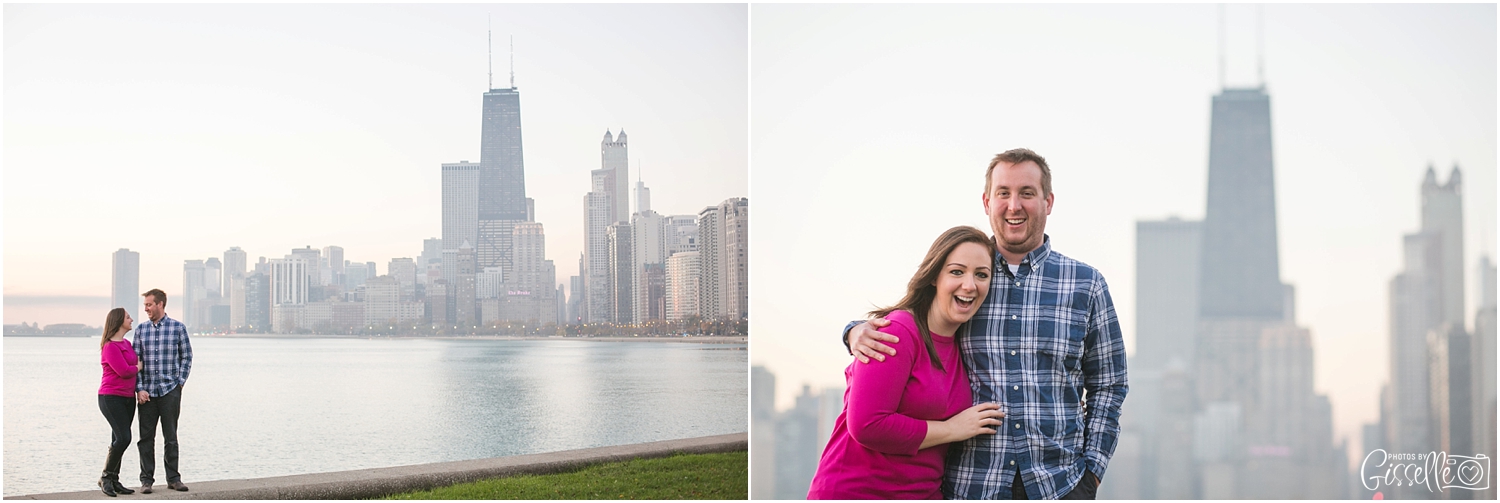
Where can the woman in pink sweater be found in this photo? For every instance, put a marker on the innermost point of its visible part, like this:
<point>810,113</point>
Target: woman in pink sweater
<point>900,414</point>
<point>117,394</point>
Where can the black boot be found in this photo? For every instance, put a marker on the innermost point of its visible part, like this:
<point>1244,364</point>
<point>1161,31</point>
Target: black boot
<point>121,489</point>
<point>108,487</point>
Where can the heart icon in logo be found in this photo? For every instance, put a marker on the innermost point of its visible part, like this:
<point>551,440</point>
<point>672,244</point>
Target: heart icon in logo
<point>1469,473</point>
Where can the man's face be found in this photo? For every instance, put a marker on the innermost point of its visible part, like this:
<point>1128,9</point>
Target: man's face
<point>154,309</point>
<point>1017,209</point>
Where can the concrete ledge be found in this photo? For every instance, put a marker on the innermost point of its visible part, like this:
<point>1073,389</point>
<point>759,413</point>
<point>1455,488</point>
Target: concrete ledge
<point>378,482</point>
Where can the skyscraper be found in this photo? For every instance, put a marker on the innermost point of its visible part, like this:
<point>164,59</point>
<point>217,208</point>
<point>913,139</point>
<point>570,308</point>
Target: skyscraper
<point>1253,421</point>
<point>125,282</point>
<point>502,179</point>
<point>1166,260</point>
<point>649,230</point>
<point>682,280</point>
<point>335,257</point>
<point>289,286</point>
<point>1241,274</point>
<point>193,293</point>
<point>621,267</point>
<point>234,261</point>
<point>464,286</point>
<point>597,216</point>
<point>723,237</point>
<point>614,155</point>
<point>460,209</point>
<point>1423,298</point>
<point>1443,220</point>
<point>213,276</point>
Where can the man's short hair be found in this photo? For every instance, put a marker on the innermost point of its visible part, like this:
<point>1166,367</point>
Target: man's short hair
<point>1017,156</point>
<point>156,293</point>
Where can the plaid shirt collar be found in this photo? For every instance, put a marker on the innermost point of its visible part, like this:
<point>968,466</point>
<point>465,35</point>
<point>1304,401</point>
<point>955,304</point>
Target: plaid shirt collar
<point>1032,258</point>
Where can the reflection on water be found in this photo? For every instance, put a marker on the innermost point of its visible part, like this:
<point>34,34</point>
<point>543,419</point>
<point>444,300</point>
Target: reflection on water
<point>266,407</point>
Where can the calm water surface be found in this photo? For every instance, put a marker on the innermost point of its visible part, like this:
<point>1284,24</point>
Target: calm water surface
<point>256,407</point>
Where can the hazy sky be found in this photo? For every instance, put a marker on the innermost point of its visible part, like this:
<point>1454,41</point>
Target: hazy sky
<point>873,125</point>
<point>181,130</point>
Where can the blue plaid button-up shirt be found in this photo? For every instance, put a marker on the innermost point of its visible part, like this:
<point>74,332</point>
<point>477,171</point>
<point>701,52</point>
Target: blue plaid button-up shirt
<point>1043,337</point>
<point>164,348</point>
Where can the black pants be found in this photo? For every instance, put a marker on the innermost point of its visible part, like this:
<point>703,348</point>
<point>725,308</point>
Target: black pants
<point>166,409</point>
<point>119,411</point>
<point>1083,491</point>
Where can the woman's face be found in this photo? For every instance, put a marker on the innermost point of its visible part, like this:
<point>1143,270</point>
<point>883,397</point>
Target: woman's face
<point>962,283</point>
<point>129,323</point>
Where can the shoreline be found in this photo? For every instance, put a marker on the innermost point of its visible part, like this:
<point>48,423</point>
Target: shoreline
<point>737,339</point>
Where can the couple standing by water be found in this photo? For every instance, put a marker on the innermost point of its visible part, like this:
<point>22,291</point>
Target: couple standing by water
<point>1002,348</point>
<point>146,377</point>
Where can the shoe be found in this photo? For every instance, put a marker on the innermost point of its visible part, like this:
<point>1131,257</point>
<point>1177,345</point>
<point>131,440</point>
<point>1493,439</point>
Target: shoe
<point>177,486</point>
<point>121,489</point>
<point>108,488</point>
<point>145,488</point>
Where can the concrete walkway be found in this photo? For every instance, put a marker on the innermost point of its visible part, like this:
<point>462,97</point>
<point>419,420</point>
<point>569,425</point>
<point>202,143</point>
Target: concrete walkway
<point>377,482</point>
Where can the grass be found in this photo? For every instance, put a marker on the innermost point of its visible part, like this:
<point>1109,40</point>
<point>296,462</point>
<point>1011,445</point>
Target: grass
<point>682,476</point>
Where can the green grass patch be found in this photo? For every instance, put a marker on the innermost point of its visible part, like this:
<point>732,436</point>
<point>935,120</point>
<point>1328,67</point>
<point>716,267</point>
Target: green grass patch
<point>682,476</point>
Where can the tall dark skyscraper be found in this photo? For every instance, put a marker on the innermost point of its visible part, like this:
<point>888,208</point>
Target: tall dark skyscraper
<point>502,179</point>
<point>1241,274</point>
<point>502,174</point>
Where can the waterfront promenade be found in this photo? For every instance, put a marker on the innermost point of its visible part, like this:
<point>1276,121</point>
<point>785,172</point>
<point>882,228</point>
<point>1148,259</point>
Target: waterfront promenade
<point>378,482</point>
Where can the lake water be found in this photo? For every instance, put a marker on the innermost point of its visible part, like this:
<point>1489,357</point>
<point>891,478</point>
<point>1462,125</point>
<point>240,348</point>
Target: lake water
<point>262,407</point>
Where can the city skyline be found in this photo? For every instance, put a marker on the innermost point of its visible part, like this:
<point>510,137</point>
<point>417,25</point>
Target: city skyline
<point>1118,99</point>
<point>300,141</point>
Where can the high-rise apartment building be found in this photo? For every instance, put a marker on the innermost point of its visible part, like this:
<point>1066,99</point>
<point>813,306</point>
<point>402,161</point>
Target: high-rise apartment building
<point>736,214</point>
<point>682,282</point>
<point>723,243</point>
<point>289,286</point>
<point>258,303</point>
<point>125,282</point>
<point>681,234</point>
<point>382,301</point>
<point>597,216</point>
<point>464,300</point>
<point>621,266</point>
<point>650,232</point>
<point>312,259</point>
<point>528,258</point>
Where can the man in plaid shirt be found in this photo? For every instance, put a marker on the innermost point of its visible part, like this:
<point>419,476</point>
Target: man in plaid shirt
<point>1045,345</point>
<point>162,346</point>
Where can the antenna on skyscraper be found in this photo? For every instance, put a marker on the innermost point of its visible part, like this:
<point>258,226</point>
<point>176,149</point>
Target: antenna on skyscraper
<point>1260,45</point>
<point>512,61</point>
<point>489,38</point>
<point>1221,46</point>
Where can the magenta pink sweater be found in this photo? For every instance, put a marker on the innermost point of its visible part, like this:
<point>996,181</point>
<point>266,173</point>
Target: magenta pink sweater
<point>119,361</point>
<point>873,451</point>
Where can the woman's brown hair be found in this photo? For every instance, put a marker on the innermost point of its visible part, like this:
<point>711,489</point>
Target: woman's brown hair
<point>922,289</point>
<point>112,323</point>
